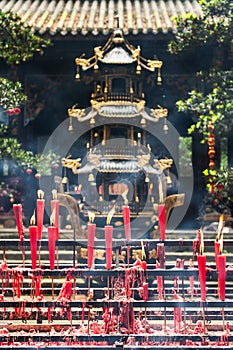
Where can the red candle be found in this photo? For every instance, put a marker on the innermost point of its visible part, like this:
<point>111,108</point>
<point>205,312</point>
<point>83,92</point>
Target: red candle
<point>126,217</point>
<point>90,243</point>
<point>159,283</point>
<point>221,276</point>
<point>161,255</point>
<point>33,241</point>
<point>17,208</point>
<point>55,206</point>
<point>83,311</point>
<point>49,314</point>
<point>40,203</point>
<point>217,252</point>
<point>108,244</point>
<point>51,243</point>
<point>38,286</point>
<point>132,320</point>
<point>177,319</point>
<point>145,291</point>
<point>108,239</point>
<point>162,221</point>
<point>144,265</point>
<point>177,315</point>
<point>201,259</point>
<point>191,278</point>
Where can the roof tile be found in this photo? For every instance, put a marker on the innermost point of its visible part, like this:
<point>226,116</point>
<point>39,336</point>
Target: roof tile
<point>73,17</point>
<point>31,8</point>
<point>8,6</point>
<point>102,11</point>
<point>99,16</point>
<point>147,13</point>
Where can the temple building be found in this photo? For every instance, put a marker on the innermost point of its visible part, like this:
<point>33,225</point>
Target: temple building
<point>77,28</point>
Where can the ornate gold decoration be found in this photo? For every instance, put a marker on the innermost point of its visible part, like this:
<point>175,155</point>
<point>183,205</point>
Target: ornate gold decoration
<point>99,254</point>
<point>118,38</point>
<point>172,201</point>
<point>76,112</point>
<point>99,52</point>
<point>165,163</point>
<point>83,62</point>
<point>136,52</point>
<point>153,254</point>
<point>159,112</point>
<point>71,163</point>
<point>154,63</point>
<point>136,253</point>
<point>83,253</point>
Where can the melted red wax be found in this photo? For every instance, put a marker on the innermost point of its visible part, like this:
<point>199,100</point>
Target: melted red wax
<point>159,283</point>
<point>66,290</point>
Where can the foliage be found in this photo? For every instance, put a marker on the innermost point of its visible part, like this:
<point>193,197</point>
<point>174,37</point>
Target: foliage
<point>213,106</point>
<point>214,26</point>
<point>11,94</point>
<point>11,149</point>
<point>185,156</point>
<point>221,199</point>
<point>18,44</point>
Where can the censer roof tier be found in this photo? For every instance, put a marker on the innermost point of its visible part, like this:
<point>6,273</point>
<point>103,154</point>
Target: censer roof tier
<point>103,161</point>
<point>118,91</point>
<point>118,51</point>
<point>114,109</point>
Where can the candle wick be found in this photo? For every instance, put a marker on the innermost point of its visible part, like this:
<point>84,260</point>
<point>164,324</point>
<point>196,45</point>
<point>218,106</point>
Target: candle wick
<point>110,215</point>
<point>33,219</point>
<point>54,193</point>
<point>40,194</point>
<point>91,217</point>
<point>52,217</point>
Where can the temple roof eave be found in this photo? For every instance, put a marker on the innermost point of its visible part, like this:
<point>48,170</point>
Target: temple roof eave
<point>84,18</point>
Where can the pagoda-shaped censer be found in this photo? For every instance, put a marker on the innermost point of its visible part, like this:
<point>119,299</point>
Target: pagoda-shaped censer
<point>119,167</point>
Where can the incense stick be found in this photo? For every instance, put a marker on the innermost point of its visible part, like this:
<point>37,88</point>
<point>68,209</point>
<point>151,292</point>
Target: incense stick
<point>52,287</point>
<point>223,319</point>
<point>57,257</point>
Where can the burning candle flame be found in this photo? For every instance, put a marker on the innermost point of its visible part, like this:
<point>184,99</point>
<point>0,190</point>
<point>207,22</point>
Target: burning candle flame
<point>110,215</point>
<point>221,243</point>
<point>40,194</point>
<point>52,217</point>
<point>220,227</point>
<point>124,195</point>
<point>33,219</point>
<point>91,216</point>
<point>54,193</point>
<point>201,249</point>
